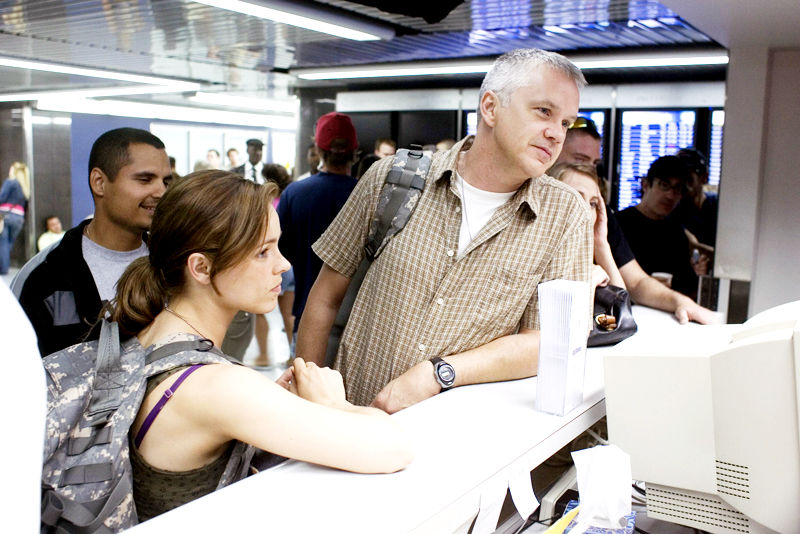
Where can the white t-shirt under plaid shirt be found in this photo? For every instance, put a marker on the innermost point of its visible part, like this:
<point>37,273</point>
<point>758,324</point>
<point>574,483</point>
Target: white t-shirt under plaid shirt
<point>420,299</point>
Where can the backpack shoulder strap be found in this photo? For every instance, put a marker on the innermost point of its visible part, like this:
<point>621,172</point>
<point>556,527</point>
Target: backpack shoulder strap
<point>402,188</point>
<point>109,376</point>
<point>401,191</point>
<point>199,345</point>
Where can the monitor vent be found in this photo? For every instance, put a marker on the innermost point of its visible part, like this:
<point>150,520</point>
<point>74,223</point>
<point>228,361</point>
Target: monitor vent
<point>679,507</point>
<point>733,479</point>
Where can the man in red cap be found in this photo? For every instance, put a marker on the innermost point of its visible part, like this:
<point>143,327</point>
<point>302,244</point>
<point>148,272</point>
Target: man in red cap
<point>307,207</point>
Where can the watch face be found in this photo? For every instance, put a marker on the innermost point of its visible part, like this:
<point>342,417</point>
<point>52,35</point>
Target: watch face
<point>446,374</point>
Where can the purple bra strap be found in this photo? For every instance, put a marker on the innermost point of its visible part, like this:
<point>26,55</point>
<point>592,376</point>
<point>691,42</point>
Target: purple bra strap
<point>161,403</point>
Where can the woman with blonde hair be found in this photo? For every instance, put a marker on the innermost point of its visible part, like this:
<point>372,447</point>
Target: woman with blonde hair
<point>14,195</point>
<point>213,251</point>
<point>584,179</point>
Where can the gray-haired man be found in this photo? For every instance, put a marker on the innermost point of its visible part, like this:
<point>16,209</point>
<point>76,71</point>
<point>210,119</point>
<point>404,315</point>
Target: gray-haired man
<point>452,300</point>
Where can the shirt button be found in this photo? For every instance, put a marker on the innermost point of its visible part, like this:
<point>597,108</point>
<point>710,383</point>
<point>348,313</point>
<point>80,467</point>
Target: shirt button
<point>440,301</point>
<point>458,209</point>
<point>450,253</point>
<point>422,347</point>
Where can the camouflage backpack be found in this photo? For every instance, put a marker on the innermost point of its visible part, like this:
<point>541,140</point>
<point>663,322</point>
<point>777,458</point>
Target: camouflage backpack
<point>94,391</point>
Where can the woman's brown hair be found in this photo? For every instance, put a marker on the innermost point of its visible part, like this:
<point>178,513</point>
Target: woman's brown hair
<point>215,213</point>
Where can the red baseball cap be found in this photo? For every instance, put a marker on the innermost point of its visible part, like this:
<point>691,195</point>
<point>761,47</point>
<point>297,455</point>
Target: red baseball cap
<point>335,126</point>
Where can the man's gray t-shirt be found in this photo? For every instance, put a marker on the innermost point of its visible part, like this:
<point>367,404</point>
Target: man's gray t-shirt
<point>108,265</point>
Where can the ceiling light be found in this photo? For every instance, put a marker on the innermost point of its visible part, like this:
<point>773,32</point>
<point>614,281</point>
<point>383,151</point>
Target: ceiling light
<point>309,19</point>
<point>157,111</point>
<point>652,61</point>
<point>382,71</point>
<point>674,59</point>
<point>254,104</point>
<point>97,73</point>
<point>92,93</point>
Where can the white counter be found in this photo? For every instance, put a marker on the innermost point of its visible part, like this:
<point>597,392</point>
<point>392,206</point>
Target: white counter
<point>470,442</point>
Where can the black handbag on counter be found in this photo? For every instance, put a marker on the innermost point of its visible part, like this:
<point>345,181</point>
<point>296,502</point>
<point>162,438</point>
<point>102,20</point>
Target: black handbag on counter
<point>612,320</point>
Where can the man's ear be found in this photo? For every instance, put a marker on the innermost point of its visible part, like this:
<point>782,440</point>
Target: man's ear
<point>488,108</point>
<point>97,182</point>
<point>199,267</point>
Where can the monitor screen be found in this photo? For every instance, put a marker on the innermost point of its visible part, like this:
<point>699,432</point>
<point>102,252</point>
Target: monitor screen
<point>646,136</point>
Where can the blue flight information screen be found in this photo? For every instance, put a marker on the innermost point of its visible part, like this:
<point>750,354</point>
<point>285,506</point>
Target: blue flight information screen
<point>715,152</point>
<point>646,136</point>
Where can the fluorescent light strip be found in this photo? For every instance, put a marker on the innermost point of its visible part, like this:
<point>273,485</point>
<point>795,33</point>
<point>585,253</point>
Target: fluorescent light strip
<point>255,104</point>
<point>93,93</point>
<point>174,113</point>
<point>94,73</point>
<point>384,71</point>
<point>381,71</point>
<point>293,19</point>
<point>680,61</point>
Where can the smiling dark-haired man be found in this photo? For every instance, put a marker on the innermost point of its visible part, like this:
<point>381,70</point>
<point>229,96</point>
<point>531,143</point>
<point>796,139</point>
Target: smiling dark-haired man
<point>62,289</point>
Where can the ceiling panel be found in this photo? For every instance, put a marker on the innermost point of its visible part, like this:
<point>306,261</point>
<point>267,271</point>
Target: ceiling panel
<point>241,53</point>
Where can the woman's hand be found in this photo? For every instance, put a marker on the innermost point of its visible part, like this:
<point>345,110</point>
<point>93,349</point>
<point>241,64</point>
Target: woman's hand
<point>599,276</point>
<point>287,381</point>
<point>317,384</point>
<point>600,225</point>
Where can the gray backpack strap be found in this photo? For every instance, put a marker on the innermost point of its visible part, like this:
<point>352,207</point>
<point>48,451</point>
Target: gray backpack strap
<point>82,517</point>
<point>400,194</point>
<point>109,376</point>
<point>202,345</point>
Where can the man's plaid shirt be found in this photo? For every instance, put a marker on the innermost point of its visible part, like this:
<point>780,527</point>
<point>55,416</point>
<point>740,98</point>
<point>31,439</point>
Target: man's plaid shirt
<point>420,300</point>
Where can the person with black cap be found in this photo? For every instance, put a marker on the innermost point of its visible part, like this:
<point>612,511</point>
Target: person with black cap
<point>251,169</point>
<point>307,207</point>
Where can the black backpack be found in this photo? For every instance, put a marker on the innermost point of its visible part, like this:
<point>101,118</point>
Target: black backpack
<point>94,391</point>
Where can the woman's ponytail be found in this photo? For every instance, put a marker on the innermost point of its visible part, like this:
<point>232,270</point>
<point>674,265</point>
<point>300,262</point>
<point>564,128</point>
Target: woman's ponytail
<point>141,296</point>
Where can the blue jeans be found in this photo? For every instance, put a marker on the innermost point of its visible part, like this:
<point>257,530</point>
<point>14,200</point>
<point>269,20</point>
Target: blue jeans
<point>11,228</point>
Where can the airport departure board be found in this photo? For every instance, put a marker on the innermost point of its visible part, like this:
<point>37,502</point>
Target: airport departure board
<point>715,151</point>
<point>646,136</point>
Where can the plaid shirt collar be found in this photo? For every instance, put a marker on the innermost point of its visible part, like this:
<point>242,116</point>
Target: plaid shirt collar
<point>526,194</point>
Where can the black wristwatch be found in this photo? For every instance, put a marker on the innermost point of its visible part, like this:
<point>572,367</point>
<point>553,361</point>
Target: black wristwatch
<point>444,373</point>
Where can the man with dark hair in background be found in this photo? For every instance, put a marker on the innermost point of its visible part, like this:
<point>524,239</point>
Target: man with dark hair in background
<point>213,159</point>
<point>698,208</point>
<point>313,160</point>
<point>53,232</point>
<point>385,147</point>
<point>62,289</point>
<point>307,208</point>
<point>233,158</point>
<point>582,145</point>
<point>251,169</point>
<point>658,241</point>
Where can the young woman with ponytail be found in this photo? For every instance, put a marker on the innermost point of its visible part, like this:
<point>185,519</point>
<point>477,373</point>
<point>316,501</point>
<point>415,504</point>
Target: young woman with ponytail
<point>213,251</point>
